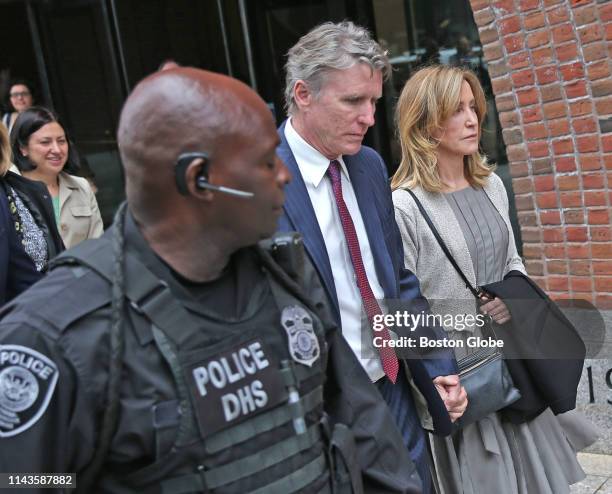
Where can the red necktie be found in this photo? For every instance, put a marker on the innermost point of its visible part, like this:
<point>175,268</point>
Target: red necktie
<point>387,355</point>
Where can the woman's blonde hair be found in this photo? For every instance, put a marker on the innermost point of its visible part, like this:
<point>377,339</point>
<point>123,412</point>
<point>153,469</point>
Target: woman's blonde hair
<point>428,99</point>
<point>5,150</point>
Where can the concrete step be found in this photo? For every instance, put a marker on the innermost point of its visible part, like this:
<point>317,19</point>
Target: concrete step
<point>594,464</point>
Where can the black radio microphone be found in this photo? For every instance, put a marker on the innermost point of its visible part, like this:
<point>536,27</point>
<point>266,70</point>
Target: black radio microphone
<point>202,180</point>
<point>202,183</point>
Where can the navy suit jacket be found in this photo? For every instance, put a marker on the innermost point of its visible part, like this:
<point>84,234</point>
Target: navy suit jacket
<point>370,181</point>
<point>17,270</point>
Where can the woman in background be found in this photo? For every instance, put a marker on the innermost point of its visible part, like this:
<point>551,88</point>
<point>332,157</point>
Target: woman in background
<point>43,152</point>
<point>439,117</point>
<point>20,98</point>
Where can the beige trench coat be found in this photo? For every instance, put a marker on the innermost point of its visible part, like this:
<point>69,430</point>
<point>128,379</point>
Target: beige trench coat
<point>79,214</point>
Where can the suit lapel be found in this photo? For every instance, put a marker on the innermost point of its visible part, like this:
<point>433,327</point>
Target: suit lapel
<point>298,209</point>
<point>368,205</point>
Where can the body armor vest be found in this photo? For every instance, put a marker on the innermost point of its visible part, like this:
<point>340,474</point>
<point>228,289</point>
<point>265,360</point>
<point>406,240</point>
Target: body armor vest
<point>249,416</point>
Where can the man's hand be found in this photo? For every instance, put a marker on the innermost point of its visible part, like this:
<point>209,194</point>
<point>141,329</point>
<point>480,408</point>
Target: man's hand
<point>453,394</point>
<point>496,309</point>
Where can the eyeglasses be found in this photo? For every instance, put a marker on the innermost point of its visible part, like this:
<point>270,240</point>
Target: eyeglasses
<point>22,94</point>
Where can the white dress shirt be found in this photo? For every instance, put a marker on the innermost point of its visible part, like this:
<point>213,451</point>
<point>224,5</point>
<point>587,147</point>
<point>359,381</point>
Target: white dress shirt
<point>313,167</point>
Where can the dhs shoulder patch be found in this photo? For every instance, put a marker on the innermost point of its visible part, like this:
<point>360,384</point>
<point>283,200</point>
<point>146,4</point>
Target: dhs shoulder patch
<point>27,381</point>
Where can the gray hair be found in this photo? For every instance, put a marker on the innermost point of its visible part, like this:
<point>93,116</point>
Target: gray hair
<point>327,47</point>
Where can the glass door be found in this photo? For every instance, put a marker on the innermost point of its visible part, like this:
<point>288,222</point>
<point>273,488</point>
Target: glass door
<point>86,86</point>
<point>418,32</point>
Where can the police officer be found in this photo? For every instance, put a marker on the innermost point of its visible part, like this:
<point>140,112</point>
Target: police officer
<point>174,354</point>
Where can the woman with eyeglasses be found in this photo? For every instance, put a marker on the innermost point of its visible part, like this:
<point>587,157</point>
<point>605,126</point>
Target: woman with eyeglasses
<point>42,151</point>
<point>19,99</point>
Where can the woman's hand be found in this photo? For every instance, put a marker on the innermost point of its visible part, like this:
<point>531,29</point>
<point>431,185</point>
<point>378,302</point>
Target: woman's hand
<point>453,395</point>
<point>496,309</point>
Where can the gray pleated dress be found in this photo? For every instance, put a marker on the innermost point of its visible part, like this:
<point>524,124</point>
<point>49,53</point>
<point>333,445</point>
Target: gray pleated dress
<point>491,456</point>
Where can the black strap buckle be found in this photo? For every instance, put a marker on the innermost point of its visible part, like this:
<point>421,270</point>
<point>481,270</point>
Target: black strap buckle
<point>160,287</point>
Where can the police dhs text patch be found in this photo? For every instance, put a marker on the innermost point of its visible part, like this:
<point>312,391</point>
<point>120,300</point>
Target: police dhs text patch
<point>234,385</point>
<point>27,381</point>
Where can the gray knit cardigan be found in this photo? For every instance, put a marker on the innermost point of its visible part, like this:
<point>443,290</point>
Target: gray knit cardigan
<point>424,257</point>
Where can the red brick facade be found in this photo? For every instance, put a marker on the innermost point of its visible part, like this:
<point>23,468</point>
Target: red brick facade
<point>550,64</point>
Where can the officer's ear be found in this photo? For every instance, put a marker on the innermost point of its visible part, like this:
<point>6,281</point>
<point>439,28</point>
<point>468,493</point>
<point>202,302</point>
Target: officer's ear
<point>191,172</point>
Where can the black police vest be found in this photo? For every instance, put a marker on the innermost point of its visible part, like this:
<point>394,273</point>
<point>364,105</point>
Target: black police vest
<point>249,413</point>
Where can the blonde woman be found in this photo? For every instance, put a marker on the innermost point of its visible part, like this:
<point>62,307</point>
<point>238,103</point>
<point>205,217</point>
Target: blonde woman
<point>439,116</point>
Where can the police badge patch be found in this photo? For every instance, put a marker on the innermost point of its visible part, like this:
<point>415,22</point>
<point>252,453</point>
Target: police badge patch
<point>27,381</point>
<point>303,342</point>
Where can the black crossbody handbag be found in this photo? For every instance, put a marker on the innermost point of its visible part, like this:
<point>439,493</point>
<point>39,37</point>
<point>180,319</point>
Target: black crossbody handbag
<point>484,373</point>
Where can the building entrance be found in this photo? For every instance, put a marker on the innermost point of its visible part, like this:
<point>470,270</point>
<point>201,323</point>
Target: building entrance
<point>86,55</point>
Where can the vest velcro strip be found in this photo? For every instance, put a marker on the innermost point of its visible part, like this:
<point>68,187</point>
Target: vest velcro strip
<point>297,480</point>
<point>293,482</point>
<point>263,459</point>
<point>247,466</point>
<point>264,422</point>
<point>294,375</point>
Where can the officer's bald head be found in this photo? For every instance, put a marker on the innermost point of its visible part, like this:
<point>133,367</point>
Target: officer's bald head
<point>174,112</point>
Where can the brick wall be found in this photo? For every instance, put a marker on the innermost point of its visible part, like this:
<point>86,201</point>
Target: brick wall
<point>550,64</point>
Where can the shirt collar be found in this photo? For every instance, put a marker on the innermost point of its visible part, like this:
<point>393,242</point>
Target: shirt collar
<point>312,164</point>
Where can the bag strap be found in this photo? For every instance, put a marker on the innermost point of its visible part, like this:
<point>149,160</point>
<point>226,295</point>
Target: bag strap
<point>477,292</point>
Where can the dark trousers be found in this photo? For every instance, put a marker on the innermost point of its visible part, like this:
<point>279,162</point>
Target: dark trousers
<point>399,399</point>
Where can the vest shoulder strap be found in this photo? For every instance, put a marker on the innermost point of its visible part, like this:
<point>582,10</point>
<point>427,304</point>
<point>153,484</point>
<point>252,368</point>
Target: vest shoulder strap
<point>148,294</point>
<point>73,305</point>
<point>95,254</point>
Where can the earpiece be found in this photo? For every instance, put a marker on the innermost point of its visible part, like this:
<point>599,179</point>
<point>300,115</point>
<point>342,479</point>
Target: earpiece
<point>202,183</point>
<point>180,170</point>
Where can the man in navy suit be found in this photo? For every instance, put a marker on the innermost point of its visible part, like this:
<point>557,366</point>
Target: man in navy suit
<point>340,201</point>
